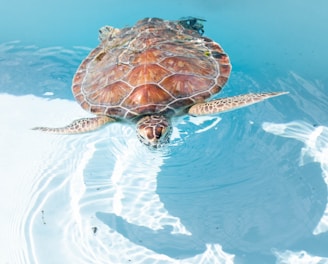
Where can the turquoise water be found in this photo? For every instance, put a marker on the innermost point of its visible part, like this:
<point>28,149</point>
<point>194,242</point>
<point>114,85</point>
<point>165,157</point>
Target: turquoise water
<point>248,186</point>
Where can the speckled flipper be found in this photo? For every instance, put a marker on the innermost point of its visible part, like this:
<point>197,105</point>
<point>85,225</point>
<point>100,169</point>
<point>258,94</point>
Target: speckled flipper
<point>79,126</point>
<point>230,103</point>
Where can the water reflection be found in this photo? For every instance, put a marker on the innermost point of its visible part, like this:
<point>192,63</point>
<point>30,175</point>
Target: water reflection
<point>225,189</point>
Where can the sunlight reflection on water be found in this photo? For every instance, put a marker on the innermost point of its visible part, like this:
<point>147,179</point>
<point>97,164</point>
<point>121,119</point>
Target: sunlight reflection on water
<point>225,188</point>
<point>88,186</point>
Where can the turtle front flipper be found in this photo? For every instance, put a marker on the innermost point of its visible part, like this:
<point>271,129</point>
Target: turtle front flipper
<point>230,103</point>
<point>79,126</point>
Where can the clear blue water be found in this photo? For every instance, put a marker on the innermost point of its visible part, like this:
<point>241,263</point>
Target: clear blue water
<point>248,186</point>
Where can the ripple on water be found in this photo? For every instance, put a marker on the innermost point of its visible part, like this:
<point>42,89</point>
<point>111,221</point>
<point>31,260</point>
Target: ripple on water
<point>221,185</point>
<point>34,70</point>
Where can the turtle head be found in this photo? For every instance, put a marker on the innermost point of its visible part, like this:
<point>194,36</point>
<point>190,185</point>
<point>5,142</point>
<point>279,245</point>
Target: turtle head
<point>154,130</point>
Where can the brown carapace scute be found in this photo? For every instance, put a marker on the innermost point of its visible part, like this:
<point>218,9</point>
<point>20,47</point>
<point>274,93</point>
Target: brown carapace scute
<point>148,73</point>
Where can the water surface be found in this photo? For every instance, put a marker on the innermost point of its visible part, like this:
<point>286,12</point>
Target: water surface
<point>248,186</point>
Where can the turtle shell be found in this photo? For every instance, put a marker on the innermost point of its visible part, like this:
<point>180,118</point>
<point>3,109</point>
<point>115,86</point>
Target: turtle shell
<point>154,67</point>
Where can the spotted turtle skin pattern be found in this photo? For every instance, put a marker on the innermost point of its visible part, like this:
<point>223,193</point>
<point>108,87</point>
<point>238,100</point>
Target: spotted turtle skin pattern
<point>154,67</point>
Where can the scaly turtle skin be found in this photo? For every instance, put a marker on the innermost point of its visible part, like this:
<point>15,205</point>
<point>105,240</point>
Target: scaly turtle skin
<point>150,72</point>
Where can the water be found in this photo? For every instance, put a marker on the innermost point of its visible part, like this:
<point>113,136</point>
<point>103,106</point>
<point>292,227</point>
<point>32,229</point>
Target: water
<point>248,186</point>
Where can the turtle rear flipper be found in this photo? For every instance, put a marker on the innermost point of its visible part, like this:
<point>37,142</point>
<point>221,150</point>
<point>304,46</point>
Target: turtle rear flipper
<point>79,126</point>
<point>230,103</point>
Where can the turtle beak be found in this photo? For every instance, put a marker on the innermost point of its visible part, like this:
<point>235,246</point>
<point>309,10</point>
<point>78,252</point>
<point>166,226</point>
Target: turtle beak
<point>153,132</point>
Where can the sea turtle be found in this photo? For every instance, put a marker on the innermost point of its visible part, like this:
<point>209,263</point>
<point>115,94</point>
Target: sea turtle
<point>150,72</point>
